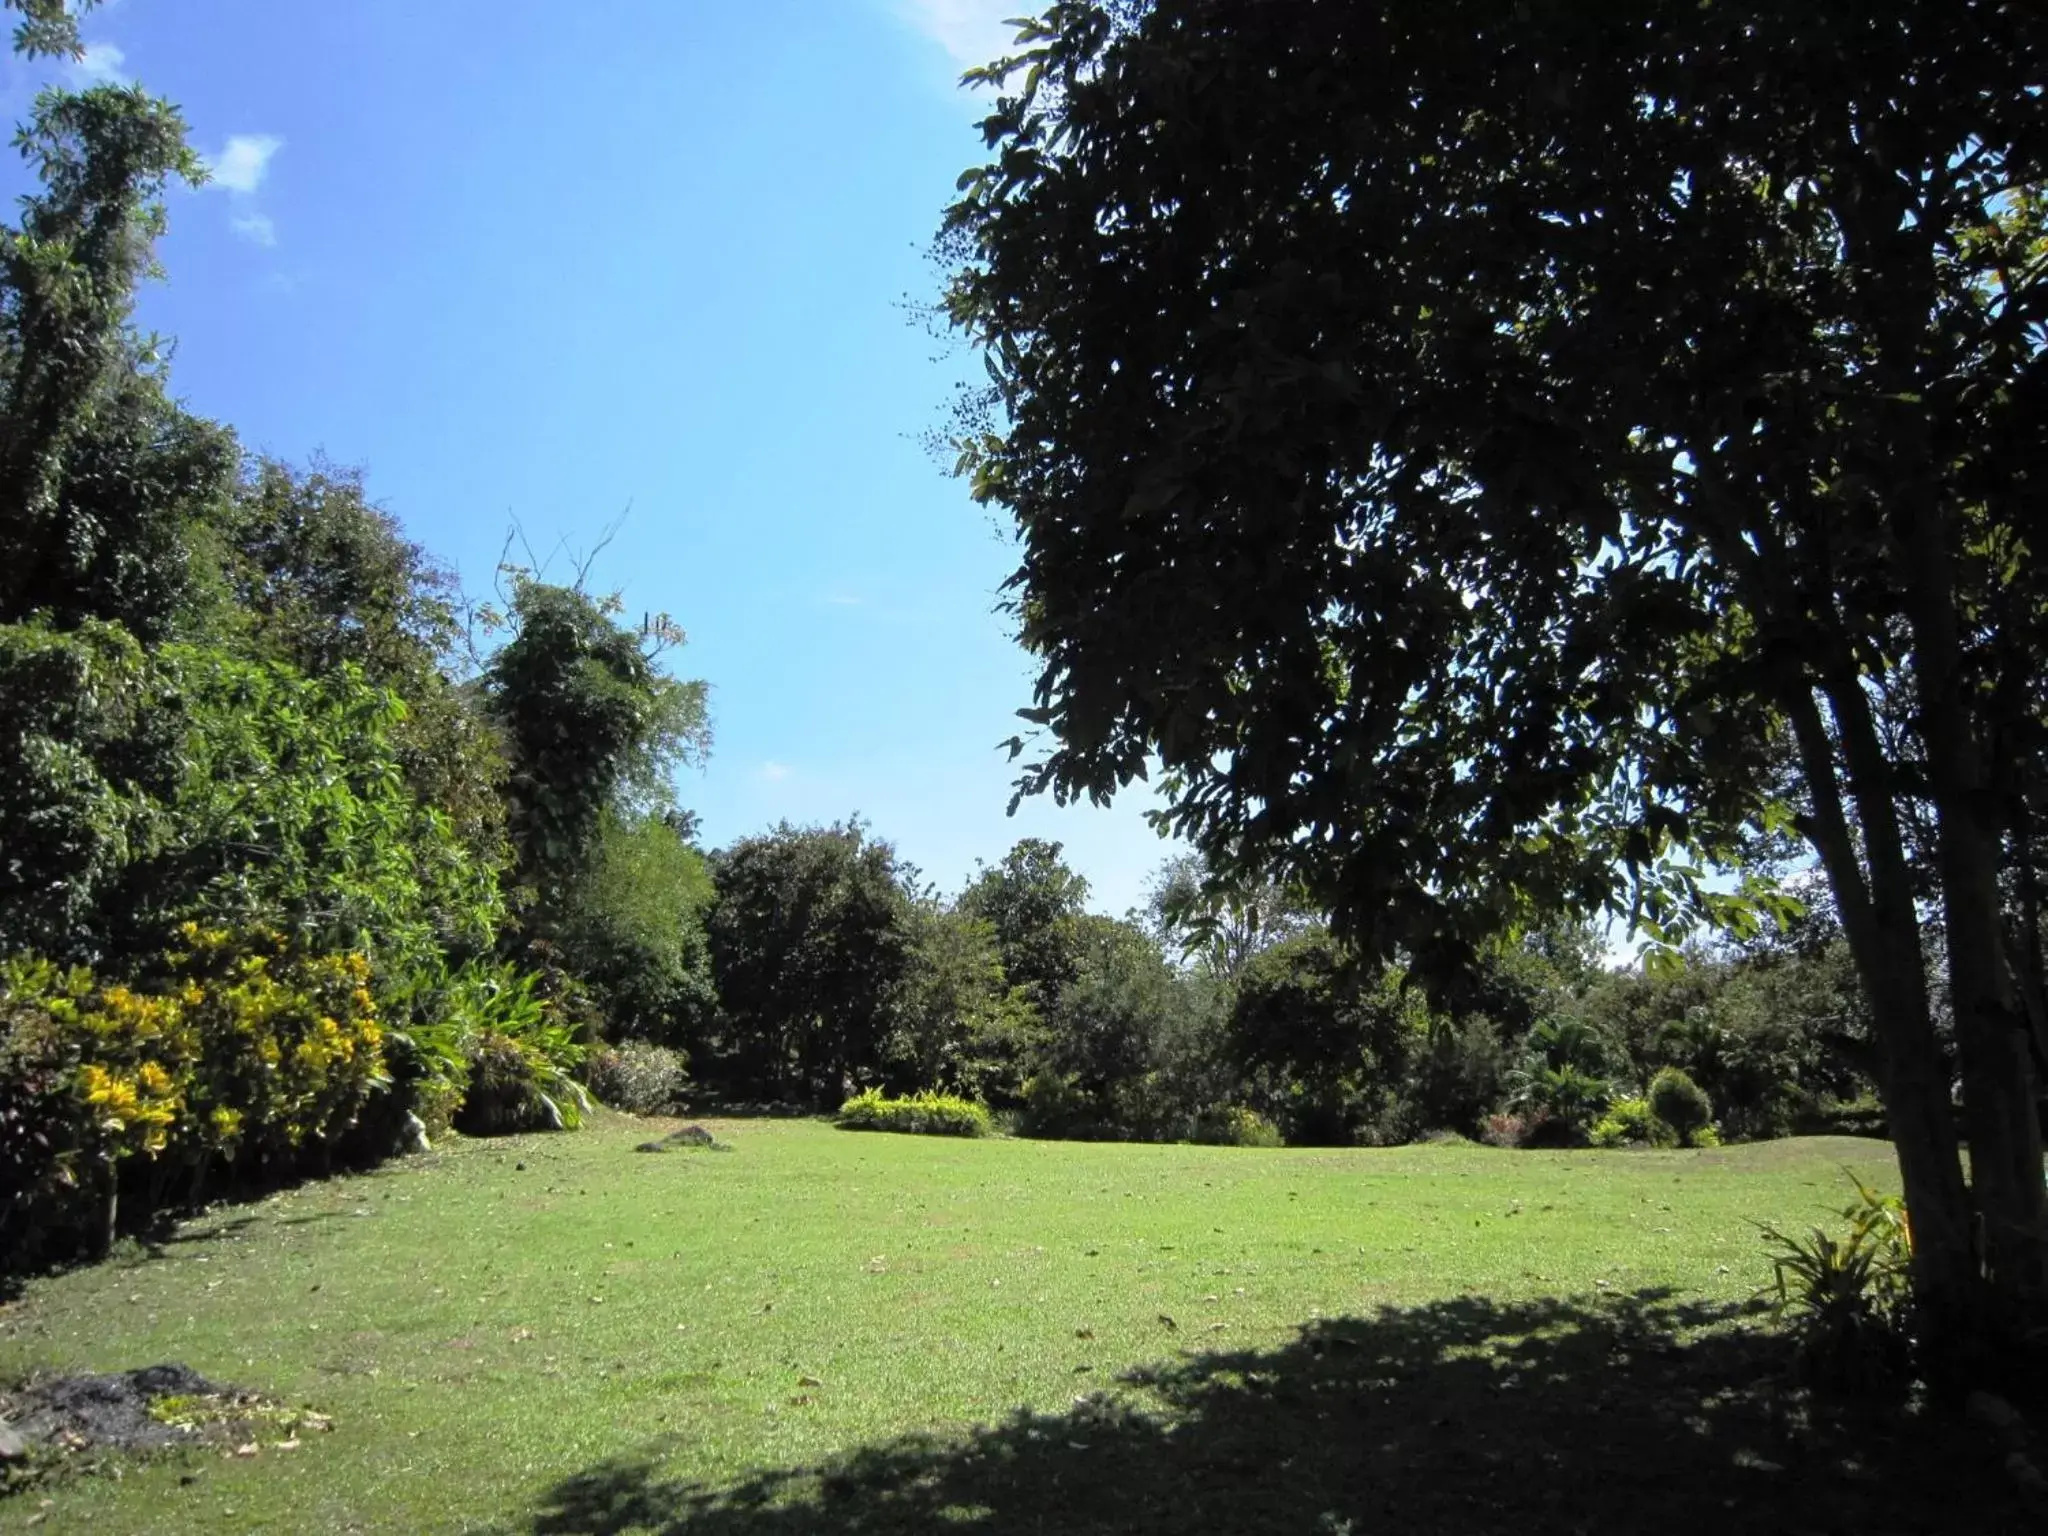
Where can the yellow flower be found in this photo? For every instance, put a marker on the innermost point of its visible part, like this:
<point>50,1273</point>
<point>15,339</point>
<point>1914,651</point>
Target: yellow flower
<point>227,1123</point>
<point>155,1078</point>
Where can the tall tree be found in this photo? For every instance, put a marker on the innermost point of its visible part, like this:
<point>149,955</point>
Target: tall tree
<point>315,575</point>
<point>591,725</point>
<point>1034,901</point>
<point>1465,443</point>
<point>1218,924</point>
<point>810,945</point>
<point>76,511</point>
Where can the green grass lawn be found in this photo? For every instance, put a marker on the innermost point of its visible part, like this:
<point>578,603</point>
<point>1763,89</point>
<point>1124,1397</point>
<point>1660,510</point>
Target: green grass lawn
<point>821,1330</point>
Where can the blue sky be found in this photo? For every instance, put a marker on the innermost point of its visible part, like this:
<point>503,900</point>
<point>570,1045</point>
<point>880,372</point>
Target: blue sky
<point>542,262</point>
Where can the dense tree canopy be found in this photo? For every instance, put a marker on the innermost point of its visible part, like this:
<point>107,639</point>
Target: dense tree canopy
<point>810,943</point>
<point>1032,899</point>
<point>1470,444</point>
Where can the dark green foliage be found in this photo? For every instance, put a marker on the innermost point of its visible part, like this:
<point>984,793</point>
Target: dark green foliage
<point>1564,1078</point>
<point>1458,1072</point>
<point>149,781</point>
<point>318,577</point>
<point>1476,449</point>
<point>90,755</point>
<point>811,941</point>
<point>1033,901</point>
<point>308,771</point>
<point>631,928</point>
<point>1106,1026</point>
<point>1328,1040</point>
<point>1773,1035</point>
<point>920,1114</point>
<point>142,485</point>
<point>1233,1126</point>
<point>1680,1103</point>
<point>957,1022</point>
<point>312,574</point>
<point>639,1077</point>
<point>590,725</point>
<point>97,470</point>
<point>1217,923</point>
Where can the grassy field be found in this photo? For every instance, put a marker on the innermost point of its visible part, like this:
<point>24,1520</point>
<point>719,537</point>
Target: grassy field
<point>823,1331</point>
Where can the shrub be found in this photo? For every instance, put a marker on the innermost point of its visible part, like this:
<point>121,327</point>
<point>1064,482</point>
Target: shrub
<point>639,1077</point>
<point>519,1083</point>
<point>1507,1128</point>
<point>491,1052</point>
<point>1055,1105</point>
<point>1568,1094</point>
<point>242,1052</point>
<point>1681,1104</point>
<point>1235,1126</point>
<point>1847,1299</point>
<point>1631,1123</point>
<point>921,1114</point>
<point>522,1057</point>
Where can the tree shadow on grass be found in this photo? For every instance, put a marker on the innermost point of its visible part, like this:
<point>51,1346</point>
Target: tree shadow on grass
<point>1638,1413</point>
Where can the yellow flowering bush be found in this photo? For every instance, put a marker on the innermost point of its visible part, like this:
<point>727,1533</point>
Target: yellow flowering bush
<point>239,1050</point>
<point>290,1043</point>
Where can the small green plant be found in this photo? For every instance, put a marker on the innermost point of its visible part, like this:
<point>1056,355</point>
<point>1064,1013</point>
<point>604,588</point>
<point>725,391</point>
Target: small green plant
<point>921,1114</point>
<point>639,1077</point>
<point>1848,1298</point>
<point>1235,1126</point>
<point>1682,1104</point>
<point>1631,1123</point>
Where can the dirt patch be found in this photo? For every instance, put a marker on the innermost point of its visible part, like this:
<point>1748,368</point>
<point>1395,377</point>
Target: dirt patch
<point>689,1138</point>
<point>79,1421</point>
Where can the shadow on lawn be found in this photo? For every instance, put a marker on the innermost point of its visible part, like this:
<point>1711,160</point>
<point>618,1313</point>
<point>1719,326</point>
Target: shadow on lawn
<point>1462,1416</point>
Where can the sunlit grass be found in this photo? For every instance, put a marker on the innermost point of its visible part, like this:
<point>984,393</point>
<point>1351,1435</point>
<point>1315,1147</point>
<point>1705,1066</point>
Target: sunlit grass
<point>487,1321</point>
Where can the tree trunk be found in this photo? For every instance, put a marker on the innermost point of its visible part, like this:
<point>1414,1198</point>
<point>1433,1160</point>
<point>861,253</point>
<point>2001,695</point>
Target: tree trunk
<point>1884,939</point>
<point>1999,1117</point>
<point>2024,942</point>
<point>110,1213</point>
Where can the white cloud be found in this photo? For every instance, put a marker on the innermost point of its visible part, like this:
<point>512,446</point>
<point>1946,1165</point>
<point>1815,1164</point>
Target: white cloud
<point>255,227</point>
<point>243,163</point>
<point>100,64</point>
<point>775,772</point>
<point>972,32</point>
<point>845,600</point>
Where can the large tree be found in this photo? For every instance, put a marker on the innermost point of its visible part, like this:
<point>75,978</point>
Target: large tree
<point>1034,902</point>
<point>811,942</point>
<point>1470,444</point>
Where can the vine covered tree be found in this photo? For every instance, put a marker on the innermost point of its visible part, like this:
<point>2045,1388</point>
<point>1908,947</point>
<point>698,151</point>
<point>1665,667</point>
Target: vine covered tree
<point>1470,445</point>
